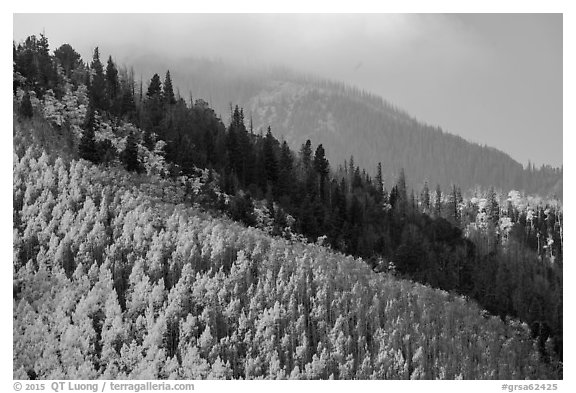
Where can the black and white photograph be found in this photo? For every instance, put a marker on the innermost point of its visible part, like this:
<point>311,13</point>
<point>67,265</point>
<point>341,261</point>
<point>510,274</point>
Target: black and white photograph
<point>287,196</point>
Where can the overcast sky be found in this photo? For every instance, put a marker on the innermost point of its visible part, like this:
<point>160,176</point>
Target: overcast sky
<point>495,79</point>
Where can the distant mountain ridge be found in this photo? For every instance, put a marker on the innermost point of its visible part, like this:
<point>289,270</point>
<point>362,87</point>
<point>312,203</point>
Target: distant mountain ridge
<point>351,122</point>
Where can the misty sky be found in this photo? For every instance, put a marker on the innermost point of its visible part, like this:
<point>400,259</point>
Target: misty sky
<point>495,79</point>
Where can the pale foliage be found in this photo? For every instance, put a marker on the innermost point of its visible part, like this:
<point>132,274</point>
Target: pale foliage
<point>145,288</point>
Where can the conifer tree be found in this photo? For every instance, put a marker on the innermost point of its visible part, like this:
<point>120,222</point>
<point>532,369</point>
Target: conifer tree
<point>98,83</point>
<point>112,85</point>
<point>492,206</point>
<point>154,105</point>
<point>426,197</point>
<point>87,147</point>
<point>233,143</point>
<point>379,183</point>
<point>155,87</point>
<point>285,181</point>
<point>306,154</point>
<point>130,154</point>
<point>402,202</point>
<point>322,168</point>
<point>321,164</point>
<point>168,90</point>
<point>306,168</point>
<point>438,202</point>
<point>68,58</point>
<point>454,211</point>
<point>270,161</point>
<point>47,74</point>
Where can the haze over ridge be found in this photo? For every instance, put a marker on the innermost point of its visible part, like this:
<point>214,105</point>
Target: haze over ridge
<point>492,79</point>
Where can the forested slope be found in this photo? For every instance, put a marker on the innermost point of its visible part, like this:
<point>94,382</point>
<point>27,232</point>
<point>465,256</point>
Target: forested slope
<point>351,122</point>
<point>159,175</point>
<point>113,281</point>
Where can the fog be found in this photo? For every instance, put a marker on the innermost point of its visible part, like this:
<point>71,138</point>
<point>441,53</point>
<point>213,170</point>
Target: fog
<point>493,79</point>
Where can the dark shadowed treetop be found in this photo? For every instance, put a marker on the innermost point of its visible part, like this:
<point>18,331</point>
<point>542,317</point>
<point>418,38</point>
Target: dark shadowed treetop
<point>169,90</point>
<point>155,87</point>
<point>68,58</point>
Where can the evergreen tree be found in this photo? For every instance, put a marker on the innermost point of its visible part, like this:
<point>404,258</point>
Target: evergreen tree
<point>47,74</point>
<point>235,160</point>
<point>438,202</point>
<point>270,161</point>
<point>130,154</point>
<point>322,168</point>
<point>306,170</point>
<point>87,147</point>
<point>492,206</point>
<point>112,86</point>
<point>98,83</point>
<point>168,90</point>
<point>402,203</point>
<point>379,184</point>
<point>454,208</point>
<point>321,165</point>
<point>285,180</point>
<point>306,155</point>
<point>426,197</point>
<point>155,87</point>
<point>154,105</point>
<point>68,58</point>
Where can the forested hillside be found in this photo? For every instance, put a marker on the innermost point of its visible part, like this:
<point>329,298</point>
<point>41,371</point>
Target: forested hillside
<point>350,122</point>
<point>113,282</point>
<point>136,188</point>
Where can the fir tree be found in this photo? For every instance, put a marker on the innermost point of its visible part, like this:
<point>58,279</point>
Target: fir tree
<point>492,206</point>
<point>438,202</point>
<point>68,58</point>
<point>402,202</point>
<point>285,181</point>
<point>322,168</point>
<point>306,154</point>
<point>454,210</point>
<point>155,87</point>
<point>426,197</point>
<point>98,83</point>
<point>379,183</point>
<point>87,147</point>
<point>154,106</point>
<point>112,85</point>
<point>168,90</point>
<point>270,162</point>
<point>130,154</point>
<point>47,75</point>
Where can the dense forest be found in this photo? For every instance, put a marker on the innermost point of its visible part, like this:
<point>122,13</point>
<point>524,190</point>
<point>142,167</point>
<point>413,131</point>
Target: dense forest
<point>348,121</point>
<point>154,169</point>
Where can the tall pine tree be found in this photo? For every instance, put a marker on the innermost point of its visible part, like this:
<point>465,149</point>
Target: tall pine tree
<point>98,83</point>
<point>168,90</point>
<point>130,154</point>
<point>322,168</point>
<point>112,86</point>
<point>87,147</point>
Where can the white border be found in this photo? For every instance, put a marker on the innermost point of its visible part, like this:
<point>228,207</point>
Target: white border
<point>338,6</point>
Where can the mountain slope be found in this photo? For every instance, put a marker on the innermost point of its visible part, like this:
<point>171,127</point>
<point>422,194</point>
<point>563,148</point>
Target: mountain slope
<point>113,282</point>
<point>349,122</point>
